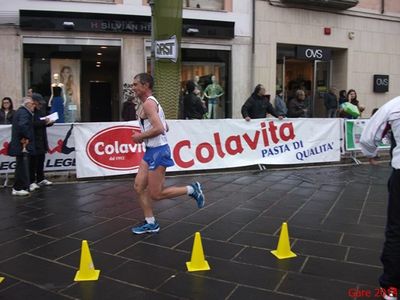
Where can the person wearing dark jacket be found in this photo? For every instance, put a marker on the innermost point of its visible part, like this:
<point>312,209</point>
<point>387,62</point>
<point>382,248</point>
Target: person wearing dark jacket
<point>128,110</point>
<point>342,97</point>
<point>331,103</point>
<point>296,106</point>
<point>193,107</point>
<point>22,144</point>
<point>36,162</point>
<point>6,111</point>
<point>257,106</point>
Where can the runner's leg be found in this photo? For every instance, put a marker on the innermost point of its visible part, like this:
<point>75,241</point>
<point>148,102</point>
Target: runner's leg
<point>141,188</point>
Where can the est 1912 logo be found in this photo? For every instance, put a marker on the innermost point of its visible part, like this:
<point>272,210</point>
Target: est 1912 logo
<point>114,149</point>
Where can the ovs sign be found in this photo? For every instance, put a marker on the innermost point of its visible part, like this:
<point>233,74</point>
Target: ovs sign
<point>381,83</point>
<point>313,53</point>
<point>114,149</point>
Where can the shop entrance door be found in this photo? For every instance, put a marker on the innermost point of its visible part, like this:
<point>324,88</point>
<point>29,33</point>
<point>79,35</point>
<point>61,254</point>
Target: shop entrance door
<point>100,102</point>
<point>322,82</point>
<point>314,77</point>
<point>299,76</point>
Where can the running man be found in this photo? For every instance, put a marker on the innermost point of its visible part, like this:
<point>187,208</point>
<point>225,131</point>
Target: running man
<point>374,131</point>
<point>149,181</point>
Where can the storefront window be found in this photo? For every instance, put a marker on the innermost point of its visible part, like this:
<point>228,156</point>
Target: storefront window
<point>294,72</point>
<point>98,1</point>
<point>88,77</point>
<point>205,65</point>
<point>209,69</point>
<point>205,4</point>
<point>202,74</point>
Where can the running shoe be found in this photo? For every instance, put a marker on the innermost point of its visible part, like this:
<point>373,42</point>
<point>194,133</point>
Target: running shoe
<point>198,194</point>
<point>146,228</point>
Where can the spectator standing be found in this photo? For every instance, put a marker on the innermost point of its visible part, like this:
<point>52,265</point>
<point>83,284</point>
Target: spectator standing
<point>193,106</point>
<point>22,144</point>
<point>342,97</point>
<point>6,111</point>
<point>29,92</point>
<point>331,103</point>
<point>199,89</point>
<point>388,114</point>
<point>280,105</point>
<point>296,106</point>
<point>129,110</point>
<point>257,106</point>
<point>36,161</point>
<point>352,98</point>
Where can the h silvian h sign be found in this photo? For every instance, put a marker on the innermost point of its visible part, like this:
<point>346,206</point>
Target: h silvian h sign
<point>167,49</point>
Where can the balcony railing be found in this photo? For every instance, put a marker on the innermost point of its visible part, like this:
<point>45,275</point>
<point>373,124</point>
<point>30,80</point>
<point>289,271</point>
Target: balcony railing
<point>330,4</point>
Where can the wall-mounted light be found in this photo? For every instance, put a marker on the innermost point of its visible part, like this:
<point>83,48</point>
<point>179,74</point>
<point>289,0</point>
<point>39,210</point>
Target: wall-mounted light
<point>99,53</point>
<point>192,30</point>
<point>351,35</point>
<point>68,25</point>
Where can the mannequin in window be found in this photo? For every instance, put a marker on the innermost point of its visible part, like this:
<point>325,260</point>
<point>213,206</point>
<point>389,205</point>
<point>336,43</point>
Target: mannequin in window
<point>57,98</point>
<point>70,93</point>
<point>212,92</point>
<point>199,89</point>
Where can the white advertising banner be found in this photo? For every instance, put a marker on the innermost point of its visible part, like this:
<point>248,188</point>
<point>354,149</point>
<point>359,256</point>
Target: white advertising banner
<point>105,149</point>
<point>61,154</point>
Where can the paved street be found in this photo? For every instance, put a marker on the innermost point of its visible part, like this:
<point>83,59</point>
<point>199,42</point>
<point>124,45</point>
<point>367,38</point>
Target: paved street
<point>335,214</point>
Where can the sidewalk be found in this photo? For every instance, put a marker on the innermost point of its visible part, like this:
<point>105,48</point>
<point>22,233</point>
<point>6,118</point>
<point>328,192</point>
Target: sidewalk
<point>336,218</point>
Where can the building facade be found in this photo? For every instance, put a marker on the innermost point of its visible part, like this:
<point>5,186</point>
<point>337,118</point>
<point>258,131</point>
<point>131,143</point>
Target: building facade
<point>313,45</point>
<point>96,47</point>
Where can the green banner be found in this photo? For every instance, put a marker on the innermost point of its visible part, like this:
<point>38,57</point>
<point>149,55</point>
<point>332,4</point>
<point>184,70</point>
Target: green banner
<point>167,22</point>
<point>353,131</point>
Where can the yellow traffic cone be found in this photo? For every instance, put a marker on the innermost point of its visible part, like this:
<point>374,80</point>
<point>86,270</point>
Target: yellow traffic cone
<point>2,279</point>
<point>283,251</point>
<point>197,262</point>
<point>86,269</point>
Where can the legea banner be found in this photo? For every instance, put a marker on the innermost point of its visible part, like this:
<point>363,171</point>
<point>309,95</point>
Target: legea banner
<point>104,149</point>
<point>61,154</point>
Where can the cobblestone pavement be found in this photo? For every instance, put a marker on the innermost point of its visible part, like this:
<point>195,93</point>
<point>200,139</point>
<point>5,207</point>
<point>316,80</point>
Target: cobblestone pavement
<point>335,216</point>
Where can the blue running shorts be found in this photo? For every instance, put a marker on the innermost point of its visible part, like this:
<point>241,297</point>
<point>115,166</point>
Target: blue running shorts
<point>158,156</point>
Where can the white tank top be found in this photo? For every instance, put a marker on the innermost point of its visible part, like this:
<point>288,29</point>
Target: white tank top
<point>145,125</point>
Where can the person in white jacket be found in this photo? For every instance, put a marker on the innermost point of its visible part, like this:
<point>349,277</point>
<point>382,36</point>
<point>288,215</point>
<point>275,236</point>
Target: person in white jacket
<point>387,115</point>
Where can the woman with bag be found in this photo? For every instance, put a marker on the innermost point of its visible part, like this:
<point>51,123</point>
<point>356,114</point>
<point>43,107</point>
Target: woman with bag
<point>352,108</point>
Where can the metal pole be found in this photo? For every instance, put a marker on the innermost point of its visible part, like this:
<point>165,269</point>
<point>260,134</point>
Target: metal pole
<point>152,49</point>
<point>253,44</point>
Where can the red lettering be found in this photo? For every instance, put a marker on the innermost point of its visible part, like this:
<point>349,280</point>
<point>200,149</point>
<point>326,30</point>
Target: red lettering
<point>199,153</point>
<point>290,135</point>
<point>233,141</point>
<point>272,130</point>
<point>177,155</point>
<point>264,134</point>
<point>232,145</point>
<point>219,145</point>
<point>252,143</point>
